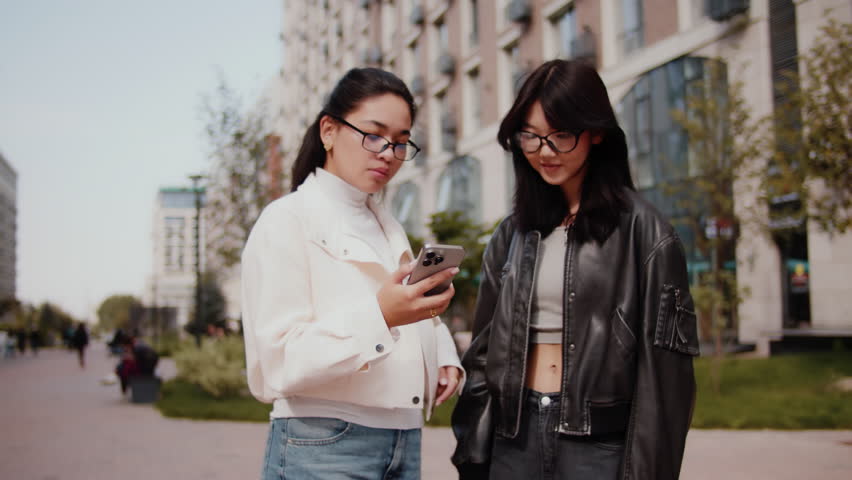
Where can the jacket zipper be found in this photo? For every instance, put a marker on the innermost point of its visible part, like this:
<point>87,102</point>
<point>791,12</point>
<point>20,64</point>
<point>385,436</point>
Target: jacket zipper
<point>527,337</point>
<point>566,304</point>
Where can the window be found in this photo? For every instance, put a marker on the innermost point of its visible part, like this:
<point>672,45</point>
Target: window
<point>632,34</point>
<point>565,27</point>
<point>446,122</point>
<point>406,207</point>
<point>659,149</point>
<point>516,71</point>
<point>174,240</point>
<point>474,23</point>
<point>473,102</point>
<point>459,188</point>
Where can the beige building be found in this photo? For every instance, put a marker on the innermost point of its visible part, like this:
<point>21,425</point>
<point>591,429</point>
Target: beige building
<point>172,282</point>
<point>463,60</point>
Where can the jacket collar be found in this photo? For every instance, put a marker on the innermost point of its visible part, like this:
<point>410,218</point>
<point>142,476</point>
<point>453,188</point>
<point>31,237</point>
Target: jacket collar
<point>329,229</point>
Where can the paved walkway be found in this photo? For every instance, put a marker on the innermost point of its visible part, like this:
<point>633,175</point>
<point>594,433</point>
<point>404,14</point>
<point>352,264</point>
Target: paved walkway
<point>58,423</point>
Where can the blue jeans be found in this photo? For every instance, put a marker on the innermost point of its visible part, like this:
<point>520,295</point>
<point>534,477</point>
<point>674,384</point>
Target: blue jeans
<point>308,448</point>
<point>539,452</point>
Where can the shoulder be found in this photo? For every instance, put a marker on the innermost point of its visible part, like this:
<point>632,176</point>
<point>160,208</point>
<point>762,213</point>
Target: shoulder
<point>650,230</point>
<point>280,221</point>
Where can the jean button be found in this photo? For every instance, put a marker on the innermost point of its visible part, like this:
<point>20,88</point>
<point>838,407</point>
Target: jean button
<point>415,400</point>
<point>380,348</point>
<point>545,401</point>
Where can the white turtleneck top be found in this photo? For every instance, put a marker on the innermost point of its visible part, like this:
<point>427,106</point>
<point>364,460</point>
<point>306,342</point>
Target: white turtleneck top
<point>355,211</point>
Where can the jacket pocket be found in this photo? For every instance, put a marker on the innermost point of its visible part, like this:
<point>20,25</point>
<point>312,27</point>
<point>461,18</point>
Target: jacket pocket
<point>315,430</point>
<point>676,325</point>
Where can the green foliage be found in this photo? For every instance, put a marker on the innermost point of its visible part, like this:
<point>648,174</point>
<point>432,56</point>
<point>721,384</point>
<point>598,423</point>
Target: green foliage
<point>781,392</point>
<point>182,399</point>
<point>724,146</point>
<point>213,306</point>
<point>455,228</point>
<point>114,312</point>
<point>442,415</point>
<point>813,134</point>
<point>168,344</point>
<point>217,367</point>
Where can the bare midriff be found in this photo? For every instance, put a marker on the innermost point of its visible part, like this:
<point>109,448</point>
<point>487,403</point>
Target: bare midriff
<point>544,367</point>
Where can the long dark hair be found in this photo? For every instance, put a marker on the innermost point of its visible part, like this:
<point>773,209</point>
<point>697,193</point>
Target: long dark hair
<point>574,98</point>
<point>356,86</point>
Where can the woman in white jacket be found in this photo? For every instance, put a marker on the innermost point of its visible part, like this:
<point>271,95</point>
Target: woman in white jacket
<point>348,354</point>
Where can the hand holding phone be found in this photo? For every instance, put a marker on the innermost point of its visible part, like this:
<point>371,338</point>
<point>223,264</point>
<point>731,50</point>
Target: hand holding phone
<point>434,258</point>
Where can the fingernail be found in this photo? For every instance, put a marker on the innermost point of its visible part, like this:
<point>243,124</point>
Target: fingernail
<point>455,270</point>
<point>442,381</point>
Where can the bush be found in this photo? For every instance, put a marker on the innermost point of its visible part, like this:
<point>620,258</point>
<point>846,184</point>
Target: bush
<point>218,367</point>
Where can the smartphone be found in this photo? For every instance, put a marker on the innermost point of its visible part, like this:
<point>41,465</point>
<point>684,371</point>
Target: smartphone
<point>434,258</point>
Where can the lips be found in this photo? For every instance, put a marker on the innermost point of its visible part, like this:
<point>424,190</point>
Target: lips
<point>381,171</point>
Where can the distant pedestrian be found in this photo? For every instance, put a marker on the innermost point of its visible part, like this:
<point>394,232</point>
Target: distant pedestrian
<point>35,341</point>
<point>80,340</point>
<point>21,334</point>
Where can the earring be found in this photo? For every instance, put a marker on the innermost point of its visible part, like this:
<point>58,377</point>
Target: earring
<point>327,146</point>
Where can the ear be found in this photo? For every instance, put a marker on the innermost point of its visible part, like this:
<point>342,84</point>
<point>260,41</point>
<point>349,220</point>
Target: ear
<point>328,129</point>
<point>597,137</point>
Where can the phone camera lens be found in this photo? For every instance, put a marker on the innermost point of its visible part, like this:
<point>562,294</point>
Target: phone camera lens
<point>439,260</point>
<point>430,255</point>
<point>426,263</point>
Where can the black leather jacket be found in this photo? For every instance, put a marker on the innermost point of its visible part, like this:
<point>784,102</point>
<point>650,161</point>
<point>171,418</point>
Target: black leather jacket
<point>629,337</point>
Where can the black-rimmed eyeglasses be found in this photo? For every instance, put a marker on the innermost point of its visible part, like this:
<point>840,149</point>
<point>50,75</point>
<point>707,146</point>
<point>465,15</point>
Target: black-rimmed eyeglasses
<point>560,141</point>
<point>378,144</point>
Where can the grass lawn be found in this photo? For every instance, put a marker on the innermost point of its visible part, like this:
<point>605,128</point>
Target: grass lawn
<point>181,399</point>
<point>782,392</point>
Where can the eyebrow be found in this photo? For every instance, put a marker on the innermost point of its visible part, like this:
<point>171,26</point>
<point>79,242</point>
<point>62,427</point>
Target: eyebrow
<point>385,127</point>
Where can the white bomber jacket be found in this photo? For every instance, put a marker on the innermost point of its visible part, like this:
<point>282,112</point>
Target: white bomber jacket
<point>313,326</point>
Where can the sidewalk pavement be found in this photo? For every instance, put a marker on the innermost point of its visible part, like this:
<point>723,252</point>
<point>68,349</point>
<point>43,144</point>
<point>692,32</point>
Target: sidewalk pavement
<point>59,423</point>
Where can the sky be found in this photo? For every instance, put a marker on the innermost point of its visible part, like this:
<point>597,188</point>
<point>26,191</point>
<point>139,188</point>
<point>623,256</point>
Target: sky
<point>100,106</point>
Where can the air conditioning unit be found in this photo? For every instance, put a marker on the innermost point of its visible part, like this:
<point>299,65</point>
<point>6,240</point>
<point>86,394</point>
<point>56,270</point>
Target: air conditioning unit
<point>418,85</point>
<point>519,11</point>
<point>446,64</point>
<point>417,15</point>
<point>721,10</point>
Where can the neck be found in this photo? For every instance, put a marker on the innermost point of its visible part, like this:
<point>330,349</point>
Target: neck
<point>572,190</point>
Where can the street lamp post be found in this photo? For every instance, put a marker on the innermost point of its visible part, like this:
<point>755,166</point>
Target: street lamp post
<point>199,314</point>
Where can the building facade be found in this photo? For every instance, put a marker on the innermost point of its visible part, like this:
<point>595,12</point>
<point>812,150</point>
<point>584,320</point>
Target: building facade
<point>172,283</point>
<point>464,59</point>
<point>8,232</point>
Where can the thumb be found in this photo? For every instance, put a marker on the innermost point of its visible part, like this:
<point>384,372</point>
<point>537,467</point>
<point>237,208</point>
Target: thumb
<point>403,271</point>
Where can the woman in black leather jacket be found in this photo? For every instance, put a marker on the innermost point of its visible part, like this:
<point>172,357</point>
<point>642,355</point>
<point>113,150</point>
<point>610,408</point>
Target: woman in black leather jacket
<point>584,334</point>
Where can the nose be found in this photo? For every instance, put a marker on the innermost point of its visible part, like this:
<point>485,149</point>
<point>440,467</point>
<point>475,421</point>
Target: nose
<point>386,155</point>
<point>546,151</point>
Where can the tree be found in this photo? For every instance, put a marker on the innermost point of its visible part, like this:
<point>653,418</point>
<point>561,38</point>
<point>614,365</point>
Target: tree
<point>723,155</point>
<point>813,135</point>
<point>453,227</point>
<point>213,306</point>
<point>114,312</point>
<point>245,172</point>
